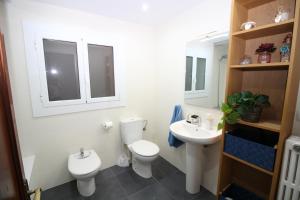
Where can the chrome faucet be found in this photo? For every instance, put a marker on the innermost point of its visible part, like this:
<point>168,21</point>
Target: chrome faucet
<point>194,119</point>
<point>82,152</point>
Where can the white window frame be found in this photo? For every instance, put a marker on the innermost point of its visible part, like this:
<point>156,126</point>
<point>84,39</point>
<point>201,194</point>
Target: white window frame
<point>96,41</point>
<point>59,36</point>
<point>34,33</point>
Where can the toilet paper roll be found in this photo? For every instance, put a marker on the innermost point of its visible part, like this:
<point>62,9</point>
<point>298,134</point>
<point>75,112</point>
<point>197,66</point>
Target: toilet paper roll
<point>107,125</point>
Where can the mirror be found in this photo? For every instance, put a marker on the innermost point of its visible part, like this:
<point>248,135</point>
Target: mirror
<point>205,71</point>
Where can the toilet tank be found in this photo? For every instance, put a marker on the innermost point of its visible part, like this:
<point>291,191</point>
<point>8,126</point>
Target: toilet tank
<point>132,129</point>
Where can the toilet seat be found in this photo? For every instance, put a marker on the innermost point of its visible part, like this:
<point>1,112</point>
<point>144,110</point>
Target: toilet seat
<point>87,165</point>
<point>145,148</point>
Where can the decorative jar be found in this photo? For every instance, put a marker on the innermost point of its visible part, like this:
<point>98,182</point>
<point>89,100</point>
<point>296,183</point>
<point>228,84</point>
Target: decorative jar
<point>264,57</point>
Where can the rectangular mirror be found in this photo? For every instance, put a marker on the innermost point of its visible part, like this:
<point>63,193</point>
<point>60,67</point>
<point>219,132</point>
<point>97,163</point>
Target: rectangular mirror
<point>205,71</point>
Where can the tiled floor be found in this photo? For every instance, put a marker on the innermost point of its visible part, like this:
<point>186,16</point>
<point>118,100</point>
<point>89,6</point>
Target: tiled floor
<point>116,183</point>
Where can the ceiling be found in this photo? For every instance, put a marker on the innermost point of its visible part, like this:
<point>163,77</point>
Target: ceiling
<point>148,12</point>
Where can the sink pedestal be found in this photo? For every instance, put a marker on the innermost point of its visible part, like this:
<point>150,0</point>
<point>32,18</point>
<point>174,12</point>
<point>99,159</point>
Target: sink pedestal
<point>195,137</point>
<point>193,167</point>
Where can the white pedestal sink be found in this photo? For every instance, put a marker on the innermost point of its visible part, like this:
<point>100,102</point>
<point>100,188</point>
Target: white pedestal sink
<point>195,137</point>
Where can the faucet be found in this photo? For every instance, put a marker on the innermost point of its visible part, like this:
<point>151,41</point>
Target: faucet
<point>194,119</point>
<point>82,152</point>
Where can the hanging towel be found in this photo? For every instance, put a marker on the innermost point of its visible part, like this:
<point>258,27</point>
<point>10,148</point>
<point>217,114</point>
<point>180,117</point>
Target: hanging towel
<point>177,116</point>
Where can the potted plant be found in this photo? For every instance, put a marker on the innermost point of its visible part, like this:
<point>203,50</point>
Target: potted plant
<point>264,52</point>
<point>244,105</point>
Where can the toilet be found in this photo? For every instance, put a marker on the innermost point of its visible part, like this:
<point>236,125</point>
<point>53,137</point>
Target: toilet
<point>143,151</point>
<point>84,166</point>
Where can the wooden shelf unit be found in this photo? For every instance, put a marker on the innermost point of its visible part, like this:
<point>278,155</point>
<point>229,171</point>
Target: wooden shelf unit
<point>280,81</point>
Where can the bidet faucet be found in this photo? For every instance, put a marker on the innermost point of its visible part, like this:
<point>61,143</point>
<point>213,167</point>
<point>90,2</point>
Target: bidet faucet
<point>81,152</point>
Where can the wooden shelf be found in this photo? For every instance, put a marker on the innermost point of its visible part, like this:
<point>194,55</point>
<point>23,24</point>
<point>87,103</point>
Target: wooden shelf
<point>253,3</point>
<point>248,164</point>
<point>276,65</point>
<point>266,125</point>
<point>266,30</point>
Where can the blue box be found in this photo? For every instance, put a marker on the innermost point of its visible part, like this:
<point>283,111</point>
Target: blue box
<point>255,146</point>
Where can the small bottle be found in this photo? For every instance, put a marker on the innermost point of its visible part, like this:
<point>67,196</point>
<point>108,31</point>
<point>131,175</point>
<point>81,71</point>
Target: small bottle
<point>209,121</point>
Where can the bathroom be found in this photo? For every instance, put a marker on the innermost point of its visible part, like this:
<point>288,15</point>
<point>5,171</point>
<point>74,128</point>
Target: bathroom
<point>151,41</point>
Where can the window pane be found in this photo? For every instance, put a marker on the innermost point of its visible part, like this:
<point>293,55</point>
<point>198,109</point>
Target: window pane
<point>200,74</point>
<point>101,63</point>
<point>61,70</point>
<point>189,73</point>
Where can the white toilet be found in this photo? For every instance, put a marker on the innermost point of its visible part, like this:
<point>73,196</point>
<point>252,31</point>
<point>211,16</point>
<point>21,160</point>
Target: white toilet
<point>84,166</point>
<point>143,151</point>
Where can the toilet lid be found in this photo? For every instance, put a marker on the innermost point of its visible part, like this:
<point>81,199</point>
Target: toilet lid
<point>145,148</point>
<point>82,166</point>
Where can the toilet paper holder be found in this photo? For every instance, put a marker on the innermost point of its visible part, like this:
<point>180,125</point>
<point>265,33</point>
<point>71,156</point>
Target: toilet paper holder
<point>107,125</point>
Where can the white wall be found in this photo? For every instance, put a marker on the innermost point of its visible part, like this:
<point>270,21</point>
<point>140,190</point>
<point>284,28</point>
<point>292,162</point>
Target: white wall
<point>210,15</point>
<point>53,138</point>
<point>2,16</point>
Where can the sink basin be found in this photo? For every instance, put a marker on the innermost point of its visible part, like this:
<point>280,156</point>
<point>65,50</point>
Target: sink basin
<point>195,137</point>
<point>193,133</point>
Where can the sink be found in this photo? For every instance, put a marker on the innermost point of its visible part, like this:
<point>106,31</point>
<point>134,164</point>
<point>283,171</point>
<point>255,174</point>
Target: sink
<point>195,137</point>
<point>193,133</point>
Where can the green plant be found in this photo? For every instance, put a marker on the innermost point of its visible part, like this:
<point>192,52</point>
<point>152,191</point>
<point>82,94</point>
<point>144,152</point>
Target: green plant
<point>239,104</point>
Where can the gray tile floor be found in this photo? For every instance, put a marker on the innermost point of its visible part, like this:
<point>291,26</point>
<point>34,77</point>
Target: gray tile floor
<point>117,183</point>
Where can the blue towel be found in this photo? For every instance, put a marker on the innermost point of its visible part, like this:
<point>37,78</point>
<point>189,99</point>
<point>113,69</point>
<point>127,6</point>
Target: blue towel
<point>177,116</point>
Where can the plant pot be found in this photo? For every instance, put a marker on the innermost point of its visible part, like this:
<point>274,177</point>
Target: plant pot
<point>253,115</point>
<point>264,57</point>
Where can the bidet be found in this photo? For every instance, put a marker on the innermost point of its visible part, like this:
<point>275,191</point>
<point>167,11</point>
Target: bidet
<point>84,166</point>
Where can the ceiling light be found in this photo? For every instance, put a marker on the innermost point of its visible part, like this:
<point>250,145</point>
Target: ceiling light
<point>145,7</point>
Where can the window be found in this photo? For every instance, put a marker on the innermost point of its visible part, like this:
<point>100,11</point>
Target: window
<point>61,65</point>
<point>195,77</point>
<point>71,72</point>
<point>101,71</point>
